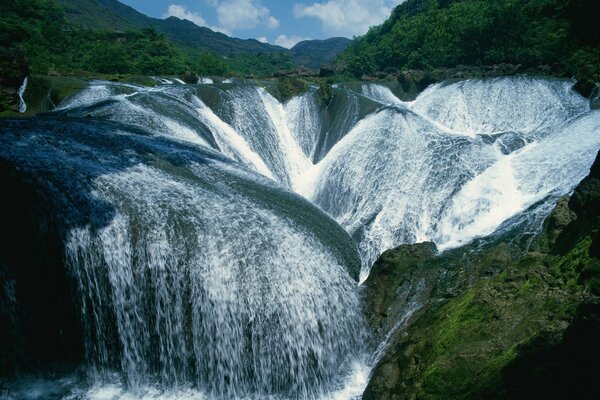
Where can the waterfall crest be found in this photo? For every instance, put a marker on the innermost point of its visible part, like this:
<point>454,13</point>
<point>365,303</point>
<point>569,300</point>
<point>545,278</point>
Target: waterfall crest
<point>393,172</point>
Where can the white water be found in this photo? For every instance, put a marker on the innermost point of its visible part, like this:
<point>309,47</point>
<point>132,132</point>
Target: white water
<point>213,293</point>
<point>21,92</point>
<point>195,276</point>
<point>451,166</point>
<point>254,325</point>
<point>455,164</point>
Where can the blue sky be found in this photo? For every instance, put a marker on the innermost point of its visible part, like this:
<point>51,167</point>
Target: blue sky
<point>282,22</point>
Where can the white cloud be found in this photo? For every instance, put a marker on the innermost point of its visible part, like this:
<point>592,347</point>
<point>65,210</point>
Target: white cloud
<point>244,14</point>
<point>263,39</point>
<point>347,17</point>
<point>272,22</point>
<point>289,41</point>
<point>182,12</point>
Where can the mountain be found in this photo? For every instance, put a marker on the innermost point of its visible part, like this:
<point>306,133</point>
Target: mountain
<point>313,53</point>
<point>189,35</point>
<point>104,14</point>
<point>114,15</point>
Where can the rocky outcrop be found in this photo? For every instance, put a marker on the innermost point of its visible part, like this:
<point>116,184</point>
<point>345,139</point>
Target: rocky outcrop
<point>189,77</point>
<point>44,93</point>
<point>13,70</point>
<point>288,87</point>
<point>523,326</point>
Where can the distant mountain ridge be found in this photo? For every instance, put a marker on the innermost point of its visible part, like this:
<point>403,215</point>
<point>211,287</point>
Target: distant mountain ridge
<point>313,53</point>
<point>114,15</point>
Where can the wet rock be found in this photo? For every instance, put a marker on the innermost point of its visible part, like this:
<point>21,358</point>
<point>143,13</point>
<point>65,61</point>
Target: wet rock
<point>529,330</point>
<point>14,67</point>
<point>585,87</point>
<point>189,77</point>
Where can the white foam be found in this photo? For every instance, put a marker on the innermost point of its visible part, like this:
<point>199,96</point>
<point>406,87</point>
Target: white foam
<point>21,92</point>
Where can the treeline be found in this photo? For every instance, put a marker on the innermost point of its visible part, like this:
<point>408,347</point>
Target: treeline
<point>40,31</point>
<point>423,34</point>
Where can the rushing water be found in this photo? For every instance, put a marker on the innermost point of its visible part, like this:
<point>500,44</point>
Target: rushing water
<point>20,93</point>
<point>189,270</point>
<point>451,166</point>
<point>196,270</point>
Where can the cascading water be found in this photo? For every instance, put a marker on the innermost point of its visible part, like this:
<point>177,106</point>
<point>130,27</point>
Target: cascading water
<point>442,168</point>
<point>205,276</point>
<point>20,93</point>
<point>189,270</point>
<point>395,173</point>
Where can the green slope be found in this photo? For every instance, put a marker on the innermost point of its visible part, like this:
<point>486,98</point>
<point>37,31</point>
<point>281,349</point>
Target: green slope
<point>114,15</point>
<point>104,14</point>
<point>314,53</point>
<point>560,35</point>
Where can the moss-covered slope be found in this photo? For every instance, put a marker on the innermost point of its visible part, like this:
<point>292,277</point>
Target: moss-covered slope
<point>530,331</point>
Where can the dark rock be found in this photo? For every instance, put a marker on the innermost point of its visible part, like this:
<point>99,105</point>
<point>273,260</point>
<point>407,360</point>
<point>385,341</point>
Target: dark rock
<point>189,77</point>
<point>325,94</point>
<point>555,224</point>
<point>585,87</point>
<point>585,203</point>
<point>14,67</point>
<point>328,70</point>
<point>40,324</point>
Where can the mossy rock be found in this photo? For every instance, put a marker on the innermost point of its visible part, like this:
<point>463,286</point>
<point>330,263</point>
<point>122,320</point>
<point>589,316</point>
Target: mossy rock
<point>44,93</point>
<point>325,94</point>
<point>288,87</point>
<point>529,331</point>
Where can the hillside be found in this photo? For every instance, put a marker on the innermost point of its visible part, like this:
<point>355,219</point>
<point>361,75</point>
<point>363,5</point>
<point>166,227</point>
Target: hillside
<point>559,37</point>
<point>114,15</point>
<point>314,53</point>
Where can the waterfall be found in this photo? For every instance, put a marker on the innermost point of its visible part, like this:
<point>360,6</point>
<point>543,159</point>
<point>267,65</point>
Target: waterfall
<point>21,92</point>
<point>447,167</point>
<point>456,163</point>
<point>190,270</point>
<point>196,270</point>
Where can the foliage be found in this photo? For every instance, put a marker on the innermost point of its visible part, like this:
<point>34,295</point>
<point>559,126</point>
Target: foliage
<point>288,87</point>
<point>423,34</point>
<point>52,43</point>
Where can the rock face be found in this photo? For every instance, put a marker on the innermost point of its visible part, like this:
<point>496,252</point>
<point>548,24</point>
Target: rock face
<point>496,323</point>
<point>13,70</point>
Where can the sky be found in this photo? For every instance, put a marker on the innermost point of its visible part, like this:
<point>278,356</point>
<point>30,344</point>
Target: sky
<point>281,22</point>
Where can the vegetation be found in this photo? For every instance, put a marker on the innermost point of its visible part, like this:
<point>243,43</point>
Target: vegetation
<point>51,43</point>
<point>286,88</point>
<point>41,30</point>
<point>423,34</point>
<point>259,65</point>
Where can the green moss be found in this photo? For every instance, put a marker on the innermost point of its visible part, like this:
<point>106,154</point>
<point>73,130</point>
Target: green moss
<point>325,94</point>
<point>466,344</point>
<point>464,318</point>
<point>287,88</point>
<point>45,92</point>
